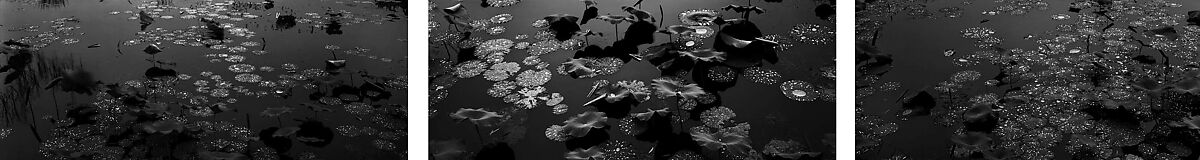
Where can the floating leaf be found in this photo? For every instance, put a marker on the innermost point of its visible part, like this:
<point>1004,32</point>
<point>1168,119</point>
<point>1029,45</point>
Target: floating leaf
<point>675,88</point>
<point>581,124</point>
<point>163,126</point>
<point>722,141</point>
<point>478,116</point>
<point>280,144</point>
<point>698,17</point>
<point>152,49</point>
<point>585,154</point>
<point>787,149</point>
<point>450,149</point>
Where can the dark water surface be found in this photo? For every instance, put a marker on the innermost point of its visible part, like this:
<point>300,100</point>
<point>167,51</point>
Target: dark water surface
<point>771,114</point>
<point>207,98</point>
<point>917,35</point>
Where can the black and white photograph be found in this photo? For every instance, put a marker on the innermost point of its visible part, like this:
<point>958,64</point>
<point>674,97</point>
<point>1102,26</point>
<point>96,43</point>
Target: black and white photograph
<point>631,79</point>
<point>203,79</point>
<point>1027,79</point>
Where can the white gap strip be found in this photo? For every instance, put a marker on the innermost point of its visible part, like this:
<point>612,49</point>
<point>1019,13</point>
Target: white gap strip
<point>418,79</point>
<point>845,79</point>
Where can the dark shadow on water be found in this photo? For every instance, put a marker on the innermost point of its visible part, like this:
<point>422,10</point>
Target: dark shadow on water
<point>655,129</point>
<point>668,145</point>
<point>333,27</point>
<point>467,54</point>
<point>158,72</point>
<point>285,22</point>
<point>214,29</point>
<point>496,151</point>
<point>280,144</point>
<point>618,109</point>
<point>594,137</point>
<point>314,133</point>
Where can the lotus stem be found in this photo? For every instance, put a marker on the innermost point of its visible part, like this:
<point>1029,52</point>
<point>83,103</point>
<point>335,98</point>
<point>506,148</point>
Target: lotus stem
<point>594,100</point>
<point>679,108</point>
<point>54,96</point>
<point>617,31</point>
<point>660,13</point>
<point>119,53</point>
<point>478,134</point>
<point>496,130</point>
<point>248,120</point>
<point>33,128</point>
<point>446,47</point>
<point>589,93</point>
<point>29,109</point>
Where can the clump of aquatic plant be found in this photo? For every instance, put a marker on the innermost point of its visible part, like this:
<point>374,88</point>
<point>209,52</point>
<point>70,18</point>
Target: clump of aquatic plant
<point>583,123</point>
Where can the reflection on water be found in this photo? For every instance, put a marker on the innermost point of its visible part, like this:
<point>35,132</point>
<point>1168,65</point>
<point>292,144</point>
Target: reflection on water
<point>202,79</point>
<point>543,79</point>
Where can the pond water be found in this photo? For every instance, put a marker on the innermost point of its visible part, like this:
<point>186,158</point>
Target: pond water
<point>184,79</point>
<point>1024,79</point>
<point>505,78</point>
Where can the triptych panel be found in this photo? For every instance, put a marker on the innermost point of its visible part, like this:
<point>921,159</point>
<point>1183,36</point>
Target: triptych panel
<point>599,79</point>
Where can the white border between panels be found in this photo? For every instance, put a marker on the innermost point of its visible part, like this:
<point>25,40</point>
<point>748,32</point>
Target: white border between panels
<point>418,79</point>
<point>845,79</point>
